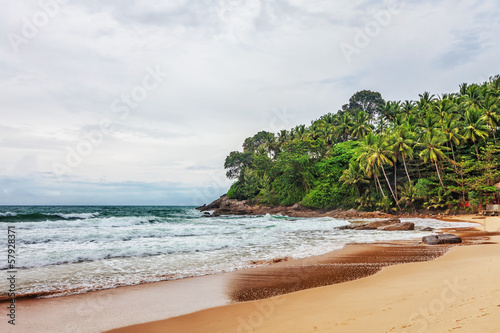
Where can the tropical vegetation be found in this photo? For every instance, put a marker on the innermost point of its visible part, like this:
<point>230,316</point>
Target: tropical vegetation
<point>437,152</point>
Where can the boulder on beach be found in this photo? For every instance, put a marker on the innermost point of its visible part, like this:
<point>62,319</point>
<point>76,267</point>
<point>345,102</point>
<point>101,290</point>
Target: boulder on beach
<point>441,239</point>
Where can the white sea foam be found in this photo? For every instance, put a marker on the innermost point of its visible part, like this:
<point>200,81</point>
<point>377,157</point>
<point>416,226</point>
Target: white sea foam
<point>7,214</point>
<point>78,215</point>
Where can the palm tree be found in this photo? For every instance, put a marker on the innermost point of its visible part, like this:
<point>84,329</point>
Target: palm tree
<point>281,140</point>
<point>491,114</point>
<point>343,128</point>
<point>390,110</point>
<point>381,125</point>
<point>399,120</point>
<point>329,118</point>
<point>463,89</point>
<point>390,141</point>
<point>443,107</point>
<point>317,130</point>
<point>428,124</point>
<point>353,176</point>
<point>319,133</point>
<point>411,121</point>
<point>408,195</point>
<point>425,101</point>
<point>377,156</point>
<point>269,143</point>
<point>433,149</point>
<point>369,170</point>
<point>475,127</point>
<point>360,125</point>
<point>330,135</point>
<point>473,97</point>
<point>402,146</point>
<point>494,86</point>
<point>451,131</point>
<point>300,132</point>
<point>408,107</point>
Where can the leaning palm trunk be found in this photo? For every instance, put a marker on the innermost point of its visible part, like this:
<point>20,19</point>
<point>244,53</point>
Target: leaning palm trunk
<point>407,174</point>
<point>396,181</point>
<point>390,188</point>
<point>439,175</point>
<point>379,185</point>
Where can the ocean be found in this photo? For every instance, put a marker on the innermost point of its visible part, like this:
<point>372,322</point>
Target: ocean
<point>63,250</point>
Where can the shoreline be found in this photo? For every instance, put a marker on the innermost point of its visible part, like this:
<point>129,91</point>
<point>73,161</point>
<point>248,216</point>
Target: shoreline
<point>147,294</point>
<point>399,297</point>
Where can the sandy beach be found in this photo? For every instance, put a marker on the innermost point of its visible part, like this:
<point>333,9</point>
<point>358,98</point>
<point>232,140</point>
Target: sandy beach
<point>457,292</point>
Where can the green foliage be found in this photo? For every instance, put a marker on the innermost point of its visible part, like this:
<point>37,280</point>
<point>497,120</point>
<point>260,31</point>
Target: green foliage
<point>235,192</point>
<point>293,177</point>
<point>236,163</point>
<point>231,193</point>
<point>324,196</point>
<point>367,201</point>
<point>439,199</point>
<point>385,204</point>
<point>408,195</point>
<point>423,188</point>
<point>435,152</point>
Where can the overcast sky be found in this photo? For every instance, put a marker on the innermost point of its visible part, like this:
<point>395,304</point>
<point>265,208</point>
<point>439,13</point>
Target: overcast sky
<point>139,101</point>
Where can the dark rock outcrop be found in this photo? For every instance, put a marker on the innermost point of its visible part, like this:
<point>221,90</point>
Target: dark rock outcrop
<point>393,224</point>
<point>441,239</point>
<point>399,227</point>
<point>226,206</point>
